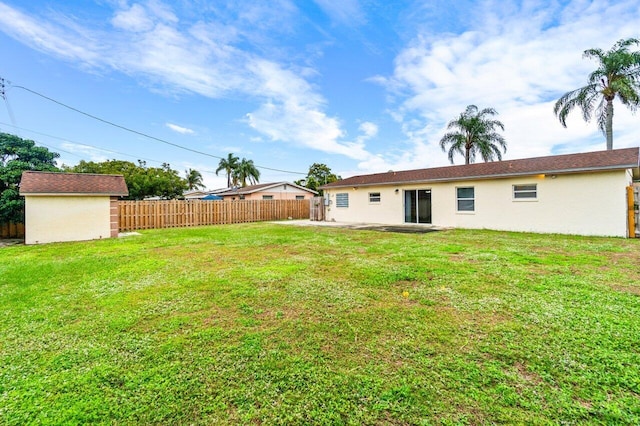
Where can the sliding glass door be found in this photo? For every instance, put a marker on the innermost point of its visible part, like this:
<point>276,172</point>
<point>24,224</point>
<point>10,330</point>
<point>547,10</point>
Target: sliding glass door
<point>417,206</point>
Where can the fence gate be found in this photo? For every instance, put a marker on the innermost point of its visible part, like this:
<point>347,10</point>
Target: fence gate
<point>634,210</point>
<point>316,209</point>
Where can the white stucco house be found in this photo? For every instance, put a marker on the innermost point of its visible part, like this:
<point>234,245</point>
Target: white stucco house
<point>70,206</point>
<point>584,194</point>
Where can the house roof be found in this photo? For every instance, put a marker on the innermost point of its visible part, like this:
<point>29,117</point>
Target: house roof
<point>260,187</point>
<point>617,159</point>
<point>72,184</point>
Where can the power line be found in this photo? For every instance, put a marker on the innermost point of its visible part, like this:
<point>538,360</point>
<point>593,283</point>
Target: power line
<point>134,131</point>
<point>79,143</point>
<point>86,145</point>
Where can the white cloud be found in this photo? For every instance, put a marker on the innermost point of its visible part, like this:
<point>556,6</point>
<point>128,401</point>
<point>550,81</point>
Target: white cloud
<point>93,154</point>
<point>152,43</point>
<point>518,61</point>
<point>133,19</point>
<point>46,37</point>
<point>180,129</point>
<point>369,129</point>
<point>344,11</point>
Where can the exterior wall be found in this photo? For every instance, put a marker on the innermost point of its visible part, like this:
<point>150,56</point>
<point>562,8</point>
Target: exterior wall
<point>584,204</point>
<point>282,192</point>
<point>51,219</point>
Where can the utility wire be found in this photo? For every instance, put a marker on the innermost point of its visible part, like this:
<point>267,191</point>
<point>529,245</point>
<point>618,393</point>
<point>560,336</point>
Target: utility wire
<point>135,131</point>
<point>79,143</point>
<point>88,146</point>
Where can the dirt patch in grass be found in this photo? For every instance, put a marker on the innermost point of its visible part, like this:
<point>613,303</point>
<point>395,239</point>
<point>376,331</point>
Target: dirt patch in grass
<point>627,289</point>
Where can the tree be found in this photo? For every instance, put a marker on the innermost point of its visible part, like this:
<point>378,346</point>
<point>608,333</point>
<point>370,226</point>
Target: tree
<point>246,171</point>
<point>617,75</point>
<point>193,179</point>
<point>319,174</point>
<point>141,180</point>
<point>16,156</point>
<point>475,133</point>
<point>229,165</point>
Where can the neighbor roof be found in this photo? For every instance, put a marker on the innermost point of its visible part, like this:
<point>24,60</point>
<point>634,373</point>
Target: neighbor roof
<point>72,184</point>
<point>628,158</point>
<point>260,187</point>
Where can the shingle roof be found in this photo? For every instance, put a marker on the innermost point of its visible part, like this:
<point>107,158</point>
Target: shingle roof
<point>628,158</point>
<point>72,183</point>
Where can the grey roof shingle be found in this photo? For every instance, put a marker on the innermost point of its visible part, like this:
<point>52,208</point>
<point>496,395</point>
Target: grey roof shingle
<point>627,158</point>
<point>72,183</point>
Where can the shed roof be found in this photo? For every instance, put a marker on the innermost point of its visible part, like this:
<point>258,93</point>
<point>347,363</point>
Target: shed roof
<point>617,159</point>
<point>33,183</point>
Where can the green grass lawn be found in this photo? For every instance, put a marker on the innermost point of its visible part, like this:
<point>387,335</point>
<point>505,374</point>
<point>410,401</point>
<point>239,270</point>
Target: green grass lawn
<point>273,324</point>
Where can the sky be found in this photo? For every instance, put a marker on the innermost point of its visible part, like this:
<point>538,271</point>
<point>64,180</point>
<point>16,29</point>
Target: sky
<point>363,86</point>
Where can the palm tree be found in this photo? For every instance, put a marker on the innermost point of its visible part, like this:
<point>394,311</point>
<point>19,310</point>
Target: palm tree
<point>475,133</point>
<point>618,74</point>
<point>194,179</point>
<point>246,170</point>
<point>229,165</point>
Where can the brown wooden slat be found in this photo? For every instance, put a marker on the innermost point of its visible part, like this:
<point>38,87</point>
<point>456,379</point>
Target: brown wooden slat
<point>156,214</point>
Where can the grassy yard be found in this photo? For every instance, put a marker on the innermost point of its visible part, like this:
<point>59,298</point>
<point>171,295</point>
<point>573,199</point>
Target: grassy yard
<point>273,324</point>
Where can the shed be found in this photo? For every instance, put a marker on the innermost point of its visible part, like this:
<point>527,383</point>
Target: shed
<point>70,206</point>
<point>584,194</point>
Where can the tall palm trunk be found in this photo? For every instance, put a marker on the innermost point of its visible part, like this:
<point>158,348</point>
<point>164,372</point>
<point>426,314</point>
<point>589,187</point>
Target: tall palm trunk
<point>609,124</point>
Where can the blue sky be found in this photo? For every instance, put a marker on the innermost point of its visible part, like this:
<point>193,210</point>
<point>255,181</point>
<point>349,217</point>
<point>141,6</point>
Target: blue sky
<point>362,86</point>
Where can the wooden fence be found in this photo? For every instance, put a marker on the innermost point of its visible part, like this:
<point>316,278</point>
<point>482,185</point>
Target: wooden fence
<point>180,213</point>
<point>11,230</point>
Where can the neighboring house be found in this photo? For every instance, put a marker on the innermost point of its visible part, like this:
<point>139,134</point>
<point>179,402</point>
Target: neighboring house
<point>202,195</point>
<point>268,191</point>
<point>70,206</point>
<point>582,194</point>
<point>195,194</point>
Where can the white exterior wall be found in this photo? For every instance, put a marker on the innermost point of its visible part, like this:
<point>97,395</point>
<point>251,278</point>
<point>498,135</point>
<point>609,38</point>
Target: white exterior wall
<point>583,204</point>
<point>51,219</point>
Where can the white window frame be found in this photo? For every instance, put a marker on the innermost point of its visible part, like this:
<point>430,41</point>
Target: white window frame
<point>299,197</point>
<point>375,198</point>
<point>342,200</point>
<point>473,199</point>
<point>515,192</point>
<point>267,197</point>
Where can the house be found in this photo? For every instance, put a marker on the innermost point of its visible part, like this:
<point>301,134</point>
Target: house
<point>196,194</point>
<point>584,194</point>
<point>70,206</point>
<point>268,191</point>
<point>203,195</point>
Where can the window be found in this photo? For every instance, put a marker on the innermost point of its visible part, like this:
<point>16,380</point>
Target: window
<point>525,192</point>
<point>267,197</point>
<point>374,197</point>
<point>342,199</point>
<point>299,197</point>
<point>466,199</point>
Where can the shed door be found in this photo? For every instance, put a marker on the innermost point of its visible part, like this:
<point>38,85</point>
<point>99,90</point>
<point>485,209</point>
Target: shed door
<point>417,206</point>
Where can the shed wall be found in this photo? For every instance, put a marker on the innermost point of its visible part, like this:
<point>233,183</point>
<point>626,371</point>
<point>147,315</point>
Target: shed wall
<point>68,218</point>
